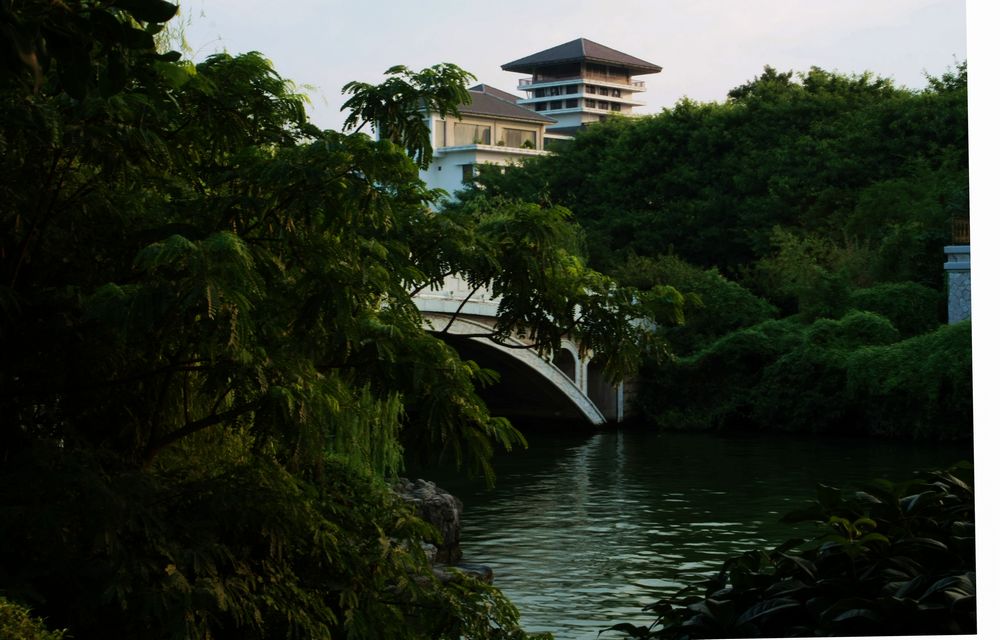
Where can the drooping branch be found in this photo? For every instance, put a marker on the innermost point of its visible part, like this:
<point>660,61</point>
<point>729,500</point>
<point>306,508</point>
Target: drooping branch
<point>193,427</point>
<point>454,316</point>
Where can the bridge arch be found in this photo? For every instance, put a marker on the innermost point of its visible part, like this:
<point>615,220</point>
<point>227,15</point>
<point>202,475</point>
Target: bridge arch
<point>560,382</point>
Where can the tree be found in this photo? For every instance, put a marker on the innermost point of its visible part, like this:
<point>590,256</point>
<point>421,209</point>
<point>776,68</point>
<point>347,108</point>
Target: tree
<point>210,356</point>
<point>397,106</point>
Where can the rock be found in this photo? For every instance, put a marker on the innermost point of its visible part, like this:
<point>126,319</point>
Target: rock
<point>480,572</point>
<point>438,508</point>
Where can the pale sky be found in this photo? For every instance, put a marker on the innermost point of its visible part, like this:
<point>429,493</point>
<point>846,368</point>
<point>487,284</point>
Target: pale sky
<point>706,47</point>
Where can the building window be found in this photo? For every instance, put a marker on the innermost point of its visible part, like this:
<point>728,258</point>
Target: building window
<point>592,104</point>
<point>468,172</point>
<point>615,106</point>
<point>572,104</point>
<point>471,134</point>
<point>440,140</point>
<point>521,138</point>
<point>556,104</point>
<point>541,106</point>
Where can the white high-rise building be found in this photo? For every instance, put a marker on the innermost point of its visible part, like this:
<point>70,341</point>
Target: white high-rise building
<point>580,82</point>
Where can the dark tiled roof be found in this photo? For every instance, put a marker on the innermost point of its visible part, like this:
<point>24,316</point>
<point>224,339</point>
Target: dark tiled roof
<point>496,93</point>
<point>485,103</point>
<point>577,51</point>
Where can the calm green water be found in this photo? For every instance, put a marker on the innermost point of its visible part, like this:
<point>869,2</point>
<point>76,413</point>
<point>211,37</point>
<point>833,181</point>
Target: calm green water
<point>584,528</point>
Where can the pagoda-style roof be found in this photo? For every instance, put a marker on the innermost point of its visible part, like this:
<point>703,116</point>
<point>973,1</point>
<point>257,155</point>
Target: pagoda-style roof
<point>581,50</point>
<point>486,101</point>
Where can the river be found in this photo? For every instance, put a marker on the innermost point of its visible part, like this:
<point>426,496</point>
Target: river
<point>586,527</point>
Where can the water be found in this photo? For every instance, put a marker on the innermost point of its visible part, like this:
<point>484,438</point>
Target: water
<point>585,528</point>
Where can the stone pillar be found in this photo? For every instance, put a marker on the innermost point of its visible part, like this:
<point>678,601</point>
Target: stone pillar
<point>958,268</point>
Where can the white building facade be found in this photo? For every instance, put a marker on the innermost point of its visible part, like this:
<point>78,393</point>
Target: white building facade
<point>493,129</point>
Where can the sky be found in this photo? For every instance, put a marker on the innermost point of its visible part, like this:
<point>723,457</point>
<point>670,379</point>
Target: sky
<point>706,47</point>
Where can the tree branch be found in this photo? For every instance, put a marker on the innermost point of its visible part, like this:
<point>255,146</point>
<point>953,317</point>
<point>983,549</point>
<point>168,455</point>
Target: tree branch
<point>193,427</point>
<point>454,316</point>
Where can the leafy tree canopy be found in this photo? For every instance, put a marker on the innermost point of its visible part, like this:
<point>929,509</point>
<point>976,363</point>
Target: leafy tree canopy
<point>209,355</point>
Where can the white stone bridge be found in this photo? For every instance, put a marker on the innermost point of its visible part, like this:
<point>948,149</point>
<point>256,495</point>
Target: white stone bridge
<point>569,386</point>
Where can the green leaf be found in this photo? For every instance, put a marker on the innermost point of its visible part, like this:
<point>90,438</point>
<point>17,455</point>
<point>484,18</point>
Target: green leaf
<point>765,609</point>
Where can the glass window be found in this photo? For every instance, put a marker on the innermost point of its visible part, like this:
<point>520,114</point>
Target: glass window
<point>572,104</point>
<point>471,134</point>
<point>520,138</point>
<point>439,138</point>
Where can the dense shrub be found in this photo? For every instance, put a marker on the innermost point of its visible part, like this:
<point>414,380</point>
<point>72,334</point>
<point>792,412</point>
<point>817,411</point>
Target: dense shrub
<point>685,394</point>
<point>833,376</point>
<point>856,329</point>
<point>16,623</point>
<point>912,308</point>
<point>919,387</point>
<point>890,559</point>
<point>721,305</point>
<point>238,548</point>
<point>805,390</point>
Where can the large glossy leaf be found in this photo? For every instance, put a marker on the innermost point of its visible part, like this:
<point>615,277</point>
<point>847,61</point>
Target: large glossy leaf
<point>767,608</point>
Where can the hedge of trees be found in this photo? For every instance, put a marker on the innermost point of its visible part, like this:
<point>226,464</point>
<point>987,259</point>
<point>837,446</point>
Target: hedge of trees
<point>777,217</point>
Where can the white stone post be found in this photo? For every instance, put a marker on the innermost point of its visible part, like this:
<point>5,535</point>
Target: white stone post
<point>958,268</point>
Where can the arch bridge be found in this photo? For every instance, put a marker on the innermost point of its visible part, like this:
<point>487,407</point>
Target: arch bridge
<point>567,386</point>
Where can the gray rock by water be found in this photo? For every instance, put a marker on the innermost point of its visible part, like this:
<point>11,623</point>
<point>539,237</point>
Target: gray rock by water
<point>438,508</point>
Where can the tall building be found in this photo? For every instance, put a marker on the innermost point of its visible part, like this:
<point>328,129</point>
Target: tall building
<point>579,82</point>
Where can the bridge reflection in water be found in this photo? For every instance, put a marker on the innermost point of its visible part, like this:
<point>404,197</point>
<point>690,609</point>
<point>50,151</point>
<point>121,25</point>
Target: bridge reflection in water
<point>569,385</point>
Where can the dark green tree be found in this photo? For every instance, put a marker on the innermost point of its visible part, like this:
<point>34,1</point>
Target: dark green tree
<point>209,355</point>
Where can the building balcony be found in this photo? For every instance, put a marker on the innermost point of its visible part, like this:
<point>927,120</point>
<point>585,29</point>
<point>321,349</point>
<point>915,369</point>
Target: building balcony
<point>490,148</point>
<point>526,84</point>
<point>625,101</point>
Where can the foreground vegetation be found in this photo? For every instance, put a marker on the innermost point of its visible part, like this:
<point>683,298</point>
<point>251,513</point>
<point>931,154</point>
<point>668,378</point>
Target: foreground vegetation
<point>209,357</point>
<point>889,559</point>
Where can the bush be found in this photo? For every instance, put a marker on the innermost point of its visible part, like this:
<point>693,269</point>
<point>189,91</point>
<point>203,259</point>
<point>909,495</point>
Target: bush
<point>890,559</point>
<point>920,387</point>
<point>16,623</point>
<point>714,388</point>
<point>725,306</point>
<point>833,376</point>
<point>856,329</point>
<point>912,308</point>
<point>804,391</point>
